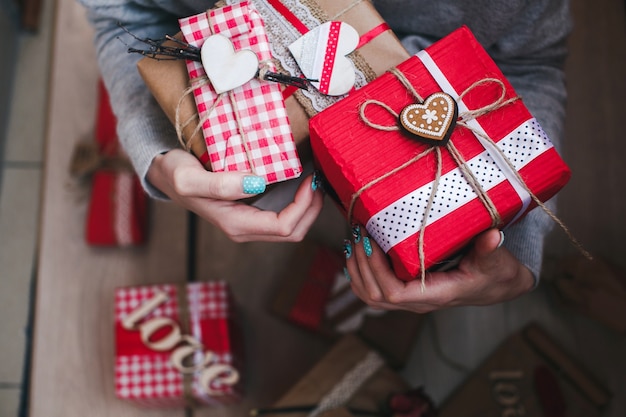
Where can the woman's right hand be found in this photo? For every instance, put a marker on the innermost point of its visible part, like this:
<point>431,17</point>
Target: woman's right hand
<point>213,196</point>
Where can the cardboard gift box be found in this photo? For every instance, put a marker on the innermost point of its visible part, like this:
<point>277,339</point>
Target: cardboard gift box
<point>177,345</point>
<point>348,378</point>
<point>496,162</point>
<point>314,295</point>
<point>529,374</point>
<point>378,50</point>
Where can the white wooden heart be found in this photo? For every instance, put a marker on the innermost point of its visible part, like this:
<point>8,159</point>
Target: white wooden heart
<point>226,68</point>
<point>321,55</point>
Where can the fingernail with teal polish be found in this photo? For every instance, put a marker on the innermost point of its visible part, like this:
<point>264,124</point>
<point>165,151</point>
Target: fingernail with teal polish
<point>347,248</point>
<point>315,181</point>
<point>253,184</point>
<point>367,246</point>
<point>356,233</point>
<point>347,274</point>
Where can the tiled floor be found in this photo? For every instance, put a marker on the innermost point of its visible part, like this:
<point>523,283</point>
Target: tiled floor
<point>19,203</point>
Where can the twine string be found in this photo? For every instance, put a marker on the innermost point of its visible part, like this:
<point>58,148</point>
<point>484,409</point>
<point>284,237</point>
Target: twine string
<point>242,133</point>
<point>346,9</point>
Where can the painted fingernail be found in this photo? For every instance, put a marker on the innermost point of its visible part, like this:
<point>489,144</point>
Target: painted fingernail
<point>501,239</point>
<point>356,233</point>
<point>367,246</point>
<point>347,248</point>
<point>253,184</point>
<point>316,181</point>
<point>347,274</point>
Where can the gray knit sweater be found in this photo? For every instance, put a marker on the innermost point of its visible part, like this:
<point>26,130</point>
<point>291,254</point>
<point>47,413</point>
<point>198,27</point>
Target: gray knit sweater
<point>527,39</point>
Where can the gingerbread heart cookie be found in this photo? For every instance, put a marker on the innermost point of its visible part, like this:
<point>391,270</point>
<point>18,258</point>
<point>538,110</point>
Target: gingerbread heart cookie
<point>433,121</point>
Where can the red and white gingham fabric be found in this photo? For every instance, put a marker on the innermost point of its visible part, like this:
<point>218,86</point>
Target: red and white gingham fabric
<point>148,377</point>
<point>259,104</point>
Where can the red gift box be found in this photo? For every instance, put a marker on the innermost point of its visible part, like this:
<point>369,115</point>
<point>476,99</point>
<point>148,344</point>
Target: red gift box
<point>118,206</point>
<point>357,142</point>
<point>246,128</point>
<point>177,345</point>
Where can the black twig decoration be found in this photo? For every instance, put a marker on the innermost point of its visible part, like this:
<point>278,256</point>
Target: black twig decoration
<point>157,49</point>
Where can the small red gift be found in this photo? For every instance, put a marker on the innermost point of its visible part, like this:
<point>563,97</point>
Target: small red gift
<point>423,201</point>
<point>177,345</point>
<point>118,206</point>
<point>246,128</point>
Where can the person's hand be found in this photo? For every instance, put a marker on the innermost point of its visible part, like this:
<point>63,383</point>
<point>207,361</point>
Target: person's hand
<point>487,274</point>
<point>213,195</point>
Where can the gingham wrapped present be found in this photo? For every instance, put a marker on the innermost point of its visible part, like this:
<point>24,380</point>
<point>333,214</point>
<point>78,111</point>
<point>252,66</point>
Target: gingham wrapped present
<point>247,128</point>
<point>503,146</point>
<point>177,345</point>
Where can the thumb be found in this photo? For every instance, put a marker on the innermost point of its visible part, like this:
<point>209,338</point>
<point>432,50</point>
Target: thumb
<point>178,173</point>
<point>225,185</point>
<point>487,242</point>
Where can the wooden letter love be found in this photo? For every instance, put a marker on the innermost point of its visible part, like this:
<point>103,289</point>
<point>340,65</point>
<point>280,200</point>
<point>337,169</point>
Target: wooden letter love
<point>184,346</point>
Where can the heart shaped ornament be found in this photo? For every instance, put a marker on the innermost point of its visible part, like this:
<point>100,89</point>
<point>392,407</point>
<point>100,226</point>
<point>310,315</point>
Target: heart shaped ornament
<point>226,68</point>
<point>321,56</point>
<point>432,121</point>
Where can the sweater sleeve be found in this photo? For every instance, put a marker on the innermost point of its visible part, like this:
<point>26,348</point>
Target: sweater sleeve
<point>532,56</point>
<point>143,129</point>
<point>530,48</point>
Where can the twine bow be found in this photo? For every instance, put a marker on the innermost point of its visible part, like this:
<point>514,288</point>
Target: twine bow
<point>462,120</point>
<point>87,158</point>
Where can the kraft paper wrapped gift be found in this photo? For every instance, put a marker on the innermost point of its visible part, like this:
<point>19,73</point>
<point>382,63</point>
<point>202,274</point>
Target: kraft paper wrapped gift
<point>177,345</point>
<point>315,295</point>
<point>383,178</point>
<point>349,376</point>
<point>529,374</point>
<point>379,49</point>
